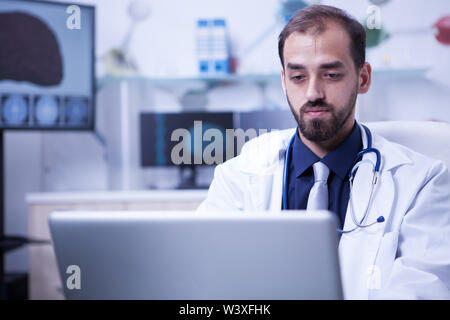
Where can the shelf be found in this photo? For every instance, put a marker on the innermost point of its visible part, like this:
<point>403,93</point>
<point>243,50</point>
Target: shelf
<point>250,78</point>
<point>114,196</point>
<point>210,80</point>
<point>400,73</point>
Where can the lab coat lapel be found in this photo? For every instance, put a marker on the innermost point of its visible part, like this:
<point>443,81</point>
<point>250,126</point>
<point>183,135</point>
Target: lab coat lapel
<point>266,181</point>
<point>358,249</point>
<point>265,175</point>
<point>382,198</point>
<point>276,196</point>
<point>261,189</point>
<point>266,188</point>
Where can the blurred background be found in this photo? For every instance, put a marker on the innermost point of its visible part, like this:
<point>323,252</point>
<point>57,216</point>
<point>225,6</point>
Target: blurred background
<point>219,57</point>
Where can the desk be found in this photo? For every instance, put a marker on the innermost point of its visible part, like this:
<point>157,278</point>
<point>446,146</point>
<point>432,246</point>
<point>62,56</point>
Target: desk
<point>44,281</point>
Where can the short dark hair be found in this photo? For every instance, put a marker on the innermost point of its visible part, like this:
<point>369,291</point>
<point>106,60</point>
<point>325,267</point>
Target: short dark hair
<point>313,18</point>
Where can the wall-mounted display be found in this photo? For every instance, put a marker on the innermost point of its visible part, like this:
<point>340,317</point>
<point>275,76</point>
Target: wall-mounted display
<point>47,76</point>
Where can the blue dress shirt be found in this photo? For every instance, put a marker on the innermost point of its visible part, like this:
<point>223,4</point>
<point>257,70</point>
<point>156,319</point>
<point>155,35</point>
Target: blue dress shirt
<point>339,161</point>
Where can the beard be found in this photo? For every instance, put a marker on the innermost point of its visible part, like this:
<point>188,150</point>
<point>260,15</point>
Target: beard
<point>320,130</point>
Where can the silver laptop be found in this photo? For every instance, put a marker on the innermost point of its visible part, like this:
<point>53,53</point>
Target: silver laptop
<point>189,255</point>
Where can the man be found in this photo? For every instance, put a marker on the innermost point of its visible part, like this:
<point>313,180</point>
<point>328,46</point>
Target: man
<point>407,256</point>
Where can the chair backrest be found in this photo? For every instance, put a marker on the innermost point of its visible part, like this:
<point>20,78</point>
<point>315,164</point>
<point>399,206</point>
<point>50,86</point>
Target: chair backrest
<point>427,137</point>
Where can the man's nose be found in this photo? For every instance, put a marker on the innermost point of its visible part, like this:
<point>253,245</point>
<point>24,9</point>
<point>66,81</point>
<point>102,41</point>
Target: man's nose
<point>315,90</point>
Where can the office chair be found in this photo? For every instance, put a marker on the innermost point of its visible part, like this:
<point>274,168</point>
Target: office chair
<point>427,137</point>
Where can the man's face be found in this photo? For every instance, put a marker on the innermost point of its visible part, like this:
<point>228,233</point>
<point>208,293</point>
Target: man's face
<point>320,82</point>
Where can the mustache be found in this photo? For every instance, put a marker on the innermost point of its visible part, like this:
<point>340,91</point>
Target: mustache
<point>317,105</point>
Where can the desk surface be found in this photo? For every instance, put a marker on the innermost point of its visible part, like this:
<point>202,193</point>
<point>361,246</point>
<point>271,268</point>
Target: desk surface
<point>115,196</point>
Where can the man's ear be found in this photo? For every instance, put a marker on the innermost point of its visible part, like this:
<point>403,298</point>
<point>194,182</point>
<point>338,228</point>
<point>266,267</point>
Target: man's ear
<point>364,78</point>
<point>283,84</point>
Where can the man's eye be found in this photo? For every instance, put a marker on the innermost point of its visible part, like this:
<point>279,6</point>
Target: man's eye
<point>333,75</point>
<point>298,78</point>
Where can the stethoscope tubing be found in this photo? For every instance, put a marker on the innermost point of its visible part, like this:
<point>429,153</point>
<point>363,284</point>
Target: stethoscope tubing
<point>357,162</point>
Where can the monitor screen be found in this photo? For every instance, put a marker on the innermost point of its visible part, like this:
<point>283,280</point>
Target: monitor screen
<point>266,120</point>
<point>255,123</point>
<point>188,138</point>
<point>47,73</point>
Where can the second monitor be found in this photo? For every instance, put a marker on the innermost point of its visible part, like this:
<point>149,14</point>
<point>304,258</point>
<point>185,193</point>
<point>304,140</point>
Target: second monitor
<point>188,140</point>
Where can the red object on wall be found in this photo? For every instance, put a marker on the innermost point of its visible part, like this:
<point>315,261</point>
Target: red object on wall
<point>443,30</point>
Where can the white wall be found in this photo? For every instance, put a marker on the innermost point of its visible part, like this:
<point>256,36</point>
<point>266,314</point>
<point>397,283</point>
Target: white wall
<point>417,97</point>
<point>164,45</point>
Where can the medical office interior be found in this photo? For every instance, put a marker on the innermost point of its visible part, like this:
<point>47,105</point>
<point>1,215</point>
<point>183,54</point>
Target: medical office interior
<point>135,62</point>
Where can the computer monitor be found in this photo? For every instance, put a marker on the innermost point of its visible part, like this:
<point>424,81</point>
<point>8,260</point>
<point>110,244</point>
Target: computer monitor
<point>186,140</point>
<point>266,120</point>
<point>256,123</point>
<point>191,139</point>
<point>47,72</point>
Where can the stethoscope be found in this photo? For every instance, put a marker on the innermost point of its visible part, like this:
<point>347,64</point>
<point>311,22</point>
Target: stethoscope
<point>351,175</point>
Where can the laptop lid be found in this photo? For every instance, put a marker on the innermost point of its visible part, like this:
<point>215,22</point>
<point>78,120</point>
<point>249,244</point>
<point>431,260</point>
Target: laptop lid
<point>189,255</point>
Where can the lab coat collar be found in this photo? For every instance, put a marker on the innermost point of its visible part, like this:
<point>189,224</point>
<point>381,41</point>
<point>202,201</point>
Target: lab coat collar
<point>265,152</point>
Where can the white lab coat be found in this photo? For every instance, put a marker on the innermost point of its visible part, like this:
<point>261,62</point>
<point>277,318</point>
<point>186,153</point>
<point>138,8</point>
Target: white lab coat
<point>406,257</point>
